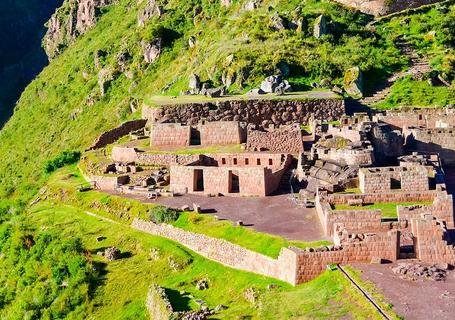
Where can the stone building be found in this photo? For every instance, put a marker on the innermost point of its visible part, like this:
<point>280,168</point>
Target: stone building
<point>243,174</point>
<point>385,179</point>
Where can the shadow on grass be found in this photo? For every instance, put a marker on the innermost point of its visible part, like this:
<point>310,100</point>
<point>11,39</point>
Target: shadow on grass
<point>178,301</point>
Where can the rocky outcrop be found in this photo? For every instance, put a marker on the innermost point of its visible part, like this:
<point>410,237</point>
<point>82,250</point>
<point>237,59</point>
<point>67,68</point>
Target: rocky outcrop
<point>151,50</point>
<point>152,9</point>
<point>353,82</point>
<point>320,27</point>
<point>72,19</point>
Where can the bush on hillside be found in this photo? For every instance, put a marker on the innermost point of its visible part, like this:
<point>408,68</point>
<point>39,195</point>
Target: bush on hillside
<point>63,159</point>
<point>162,214</point>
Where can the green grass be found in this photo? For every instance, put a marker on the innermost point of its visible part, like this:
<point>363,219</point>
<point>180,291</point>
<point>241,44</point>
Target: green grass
<point>389,210</point>
<point>260,242</point>
<point>121,292</point>
<point>408,92</point>
<point>62,188</point>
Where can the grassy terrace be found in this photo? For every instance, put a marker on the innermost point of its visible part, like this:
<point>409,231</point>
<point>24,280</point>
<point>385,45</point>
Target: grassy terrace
<point>300,95</point>
<point>62,187</point>
<point>328,296</point>
<point>389,210</point>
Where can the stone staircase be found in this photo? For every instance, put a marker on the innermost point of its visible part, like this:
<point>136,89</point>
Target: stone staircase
<point>418,66</point>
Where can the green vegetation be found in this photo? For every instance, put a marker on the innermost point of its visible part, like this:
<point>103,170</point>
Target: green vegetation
<point>389,209</point>
<point>260,242</point>
<point>64,158</point>
<point>121,291</point>
<point>62,187</point>
<point>161,214</point>
<point>43,275</point>
<point>408,92</point>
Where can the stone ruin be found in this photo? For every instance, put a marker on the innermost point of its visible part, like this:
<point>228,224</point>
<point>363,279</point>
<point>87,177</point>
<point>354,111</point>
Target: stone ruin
<point>382,158</point>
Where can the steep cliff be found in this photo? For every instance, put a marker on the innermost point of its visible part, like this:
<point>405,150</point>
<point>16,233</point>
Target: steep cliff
<point>74,18</point>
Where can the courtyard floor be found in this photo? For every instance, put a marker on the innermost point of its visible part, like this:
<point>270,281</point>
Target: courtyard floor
<point>274,214</point>
<point>423,299</point>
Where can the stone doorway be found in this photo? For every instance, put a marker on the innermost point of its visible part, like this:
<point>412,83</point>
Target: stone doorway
<point>198,180</point>
<point>195,137</point>
<point>234,182</point>
<point>407,248</point>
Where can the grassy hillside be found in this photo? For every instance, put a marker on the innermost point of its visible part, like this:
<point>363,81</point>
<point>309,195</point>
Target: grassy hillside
<point>63,108</point>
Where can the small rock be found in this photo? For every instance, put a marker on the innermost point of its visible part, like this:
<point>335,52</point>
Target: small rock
<point>196,208</point>
<point>112,253</point>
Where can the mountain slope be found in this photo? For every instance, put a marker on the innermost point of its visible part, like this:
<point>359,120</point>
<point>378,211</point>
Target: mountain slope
<point>89,87</point>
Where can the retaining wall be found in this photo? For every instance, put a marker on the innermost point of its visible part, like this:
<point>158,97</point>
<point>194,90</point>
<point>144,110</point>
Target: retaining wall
<point>258,112</point>
<point>287,139</point>
<point>113,135</point>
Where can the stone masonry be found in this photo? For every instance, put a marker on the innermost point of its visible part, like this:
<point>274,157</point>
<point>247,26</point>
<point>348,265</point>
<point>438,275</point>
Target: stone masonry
<point>286,139</point>
<point>258,112</point>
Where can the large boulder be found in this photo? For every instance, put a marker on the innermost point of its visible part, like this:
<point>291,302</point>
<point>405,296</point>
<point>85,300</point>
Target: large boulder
<point>320,26</point>
<point>194,82</point>
<point>353,82</point>
<point>151,50</point>
<point>274,84</point>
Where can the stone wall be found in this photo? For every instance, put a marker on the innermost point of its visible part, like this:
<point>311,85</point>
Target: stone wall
<point>157,304</point>
<point>108,182</point>
<point>430,118</point>
<point>310,263</point>
<point>440,141</point>
<point>127,154</point>
<point>259,112</point>
<point>441,208</point>
<point>346,156</point>
<point>431,245</point>
<point>383,7</point>
<point>384,179</point>
<point>170,134</point>
<point>220,133</point>
<point>113,135</point>
<point>247,159</point>
<point>221,250</point>
<point>252,181</point>
<point>293,265</point>
<point>409,196</point>
<point>286,139</point>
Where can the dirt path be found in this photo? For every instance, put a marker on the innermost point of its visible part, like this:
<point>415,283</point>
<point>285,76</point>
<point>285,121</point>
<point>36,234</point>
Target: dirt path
<point>416,300</point>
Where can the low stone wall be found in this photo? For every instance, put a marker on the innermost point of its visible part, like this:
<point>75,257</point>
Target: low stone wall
<point>287,139</point>
<point>431,246</point>
<point>108,182</point>
<point>113,135</point>
<point>258,112</point>
<point>311,263</point>
<point>219,250</point>
<point>430,118</point>
<point>351,157</point>
<point>441,208</point>
<point>126,155</point>
<point>440,141</point>
<point>157,304</point>
<point>384,197</point>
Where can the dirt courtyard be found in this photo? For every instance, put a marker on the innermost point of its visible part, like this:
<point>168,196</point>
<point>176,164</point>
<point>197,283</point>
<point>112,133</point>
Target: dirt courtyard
<point>275,214</point>
<point>423,299</point>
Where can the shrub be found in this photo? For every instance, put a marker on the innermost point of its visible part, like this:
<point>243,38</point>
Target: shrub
<point>63,159</point>
<point>164,215</point>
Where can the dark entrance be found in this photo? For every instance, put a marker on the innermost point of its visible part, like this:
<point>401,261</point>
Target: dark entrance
<point>198,180</point>
<point>234,183</point>
<point>195,138</point>
<point>395,184</point>
<point>407,250</point>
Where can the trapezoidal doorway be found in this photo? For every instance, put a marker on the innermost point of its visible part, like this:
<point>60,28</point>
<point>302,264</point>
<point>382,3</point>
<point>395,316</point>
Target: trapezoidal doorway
<point>198,180</point>
<point>234,183</point>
